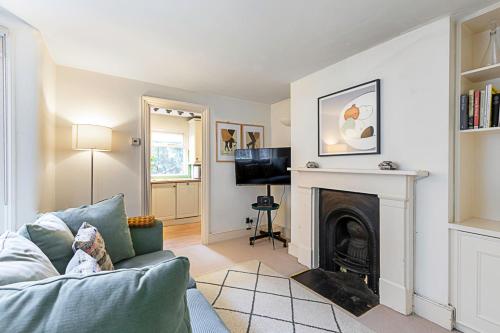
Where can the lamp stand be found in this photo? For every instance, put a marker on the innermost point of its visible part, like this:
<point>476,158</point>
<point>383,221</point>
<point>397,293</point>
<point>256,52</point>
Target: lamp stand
<point>91,176</point>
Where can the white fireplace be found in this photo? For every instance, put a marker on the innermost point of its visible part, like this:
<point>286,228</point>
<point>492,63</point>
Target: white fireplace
<point>395,190</point>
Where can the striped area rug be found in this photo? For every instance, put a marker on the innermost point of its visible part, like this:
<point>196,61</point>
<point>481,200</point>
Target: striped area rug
<point>251,297</point>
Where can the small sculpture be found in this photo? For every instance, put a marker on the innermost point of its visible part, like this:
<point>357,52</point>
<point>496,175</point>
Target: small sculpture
<point>388,165</point>
<point>312,165</point>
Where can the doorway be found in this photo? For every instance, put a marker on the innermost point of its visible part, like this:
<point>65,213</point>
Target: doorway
<point>175,182</point>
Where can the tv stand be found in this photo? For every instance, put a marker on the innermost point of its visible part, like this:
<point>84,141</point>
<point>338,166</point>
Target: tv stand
<point>273,235</point>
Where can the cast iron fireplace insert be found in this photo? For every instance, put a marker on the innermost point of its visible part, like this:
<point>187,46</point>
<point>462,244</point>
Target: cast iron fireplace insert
<point>349,250</point>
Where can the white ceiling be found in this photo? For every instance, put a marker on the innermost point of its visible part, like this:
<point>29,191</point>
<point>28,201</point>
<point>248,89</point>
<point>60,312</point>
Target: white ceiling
<point>250,49</point>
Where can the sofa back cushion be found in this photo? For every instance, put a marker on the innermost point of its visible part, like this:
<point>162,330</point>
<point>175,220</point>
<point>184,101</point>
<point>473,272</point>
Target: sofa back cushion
<point>21,260</point>
<point>53,237</point>
<point>109,217</point>
<point>151,299</point>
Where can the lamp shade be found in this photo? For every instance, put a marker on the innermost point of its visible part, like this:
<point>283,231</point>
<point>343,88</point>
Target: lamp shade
<point>86,137</point>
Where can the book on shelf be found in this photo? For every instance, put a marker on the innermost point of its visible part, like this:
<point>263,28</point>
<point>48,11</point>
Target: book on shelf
<point>464,111</point>
<point>494,111</point>
<point>471,108</point>
<point>480,108</point>
<point>477,101</point>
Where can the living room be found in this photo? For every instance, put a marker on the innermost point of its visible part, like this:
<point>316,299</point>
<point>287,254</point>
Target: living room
<point>380,122</point>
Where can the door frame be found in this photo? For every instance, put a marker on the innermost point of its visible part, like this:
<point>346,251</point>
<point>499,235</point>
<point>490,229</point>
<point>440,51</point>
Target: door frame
<point>147,102</point>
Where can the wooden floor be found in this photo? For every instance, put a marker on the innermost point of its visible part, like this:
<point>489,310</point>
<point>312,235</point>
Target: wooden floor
<point>181,235</point>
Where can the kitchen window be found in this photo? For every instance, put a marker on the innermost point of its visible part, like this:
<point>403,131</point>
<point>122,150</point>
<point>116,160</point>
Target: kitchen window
<point>169,156</point>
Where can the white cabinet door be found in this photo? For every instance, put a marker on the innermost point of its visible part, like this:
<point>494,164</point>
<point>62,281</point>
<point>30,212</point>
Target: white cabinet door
<point>164,201</point>
<point>478,282</point>
<point>187,199</point>
<point>195,141</point>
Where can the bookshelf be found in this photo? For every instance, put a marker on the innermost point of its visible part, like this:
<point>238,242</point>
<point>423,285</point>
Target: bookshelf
<point>477,151</point>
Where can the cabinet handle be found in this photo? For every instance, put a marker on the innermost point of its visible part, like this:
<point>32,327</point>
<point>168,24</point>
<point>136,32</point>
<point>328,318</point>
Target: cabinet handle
<point>187,184</point>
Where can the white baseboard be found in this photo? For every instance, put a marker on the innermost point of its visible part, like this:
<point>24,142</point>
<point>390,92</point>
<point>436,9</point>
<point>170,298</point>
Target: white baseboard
<point>464,328</point>
<point>293,250</point>
<point>185,220</point>
<point>437,313</point>
<point>223,236</point>
<point>395,296</point>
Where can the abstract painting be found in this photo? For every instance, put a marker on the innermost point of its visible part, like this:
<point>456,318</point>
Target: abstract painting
<point>228,140</point>
<point>348,121</point>
<point>253,136</point>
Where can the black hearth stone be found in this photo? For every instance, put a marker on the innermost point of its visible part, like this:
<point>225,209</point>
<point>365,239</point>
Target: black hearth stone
<point>347,290</point>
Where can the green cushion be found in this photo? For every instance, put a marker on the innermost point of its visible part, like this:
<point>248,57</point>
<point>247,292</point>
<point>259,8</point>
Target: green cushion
<point>53,237</point>
<point>109,217</point>
<point>21,260</point>
<point>151,299</point>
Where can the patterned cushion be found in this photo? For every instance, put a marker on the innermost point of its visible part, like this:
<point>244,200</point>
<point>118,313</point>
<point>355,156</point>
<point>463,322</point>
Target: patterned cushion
<point>90,241</point>
<point>82,263</point>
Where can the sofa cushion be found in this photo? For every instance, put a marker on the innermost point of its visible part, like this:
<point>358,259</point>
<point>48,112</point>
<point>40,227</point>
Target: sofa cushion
<point>21,260</point>
<point>150,299</point>
<point>89,240</point>
<point>82,263</point>
<point>53,237</point>
<point>109,217</point>
<point>149,259</point>
<point>204,319</point>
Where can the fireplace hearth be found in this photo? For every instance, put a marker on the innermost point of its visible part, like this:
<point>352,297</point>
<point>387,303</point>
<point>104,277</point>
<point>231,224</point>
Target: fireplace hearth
<point>349,250</point>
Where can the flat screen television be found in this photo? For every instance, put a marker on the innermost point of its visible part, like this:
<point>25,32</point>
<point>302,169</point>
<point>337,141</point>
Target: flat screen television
<point>263,166</point>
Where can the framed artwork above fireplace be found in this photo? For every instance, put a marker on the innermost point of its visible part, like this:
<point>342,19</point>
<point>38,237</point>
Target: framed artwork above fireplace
<point>348,121</point>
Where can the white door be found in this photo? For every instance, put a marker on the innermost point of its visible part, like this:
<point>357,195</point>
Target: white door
<point>478,282</point>
<point>3,141</point>
<point>164,201</point>
<point>187,200</point>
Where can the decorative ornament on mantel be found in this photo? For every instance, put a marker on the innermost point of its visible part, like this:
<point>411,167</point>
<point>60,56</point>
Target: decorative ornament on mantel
<point>388,165</point>
<point>312,165</point>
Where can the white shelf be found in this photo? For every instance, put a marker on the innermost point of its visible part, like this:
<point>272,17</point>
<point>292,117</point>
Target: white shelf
<point>481,130</point>
<point>478,226</point>
<point>483,73</point>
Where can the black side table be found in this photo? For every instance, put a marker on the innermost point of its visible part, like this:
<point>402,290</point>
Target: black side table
<point>269,233</point>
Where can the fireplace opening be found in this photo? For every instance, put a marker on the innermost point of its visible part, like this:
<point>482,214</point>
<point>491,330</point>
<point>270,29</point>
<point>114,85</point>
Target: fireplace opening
<point>349,250</point>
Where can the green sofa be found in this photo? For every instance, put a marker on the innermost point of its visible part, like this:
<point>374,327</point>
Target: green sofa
<point>149,292</point>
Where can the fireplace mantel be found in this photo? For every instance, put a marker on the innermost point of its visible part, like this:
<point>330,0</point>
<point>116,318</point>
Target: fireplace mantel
<point>416,173</point>
<point>395,189</point>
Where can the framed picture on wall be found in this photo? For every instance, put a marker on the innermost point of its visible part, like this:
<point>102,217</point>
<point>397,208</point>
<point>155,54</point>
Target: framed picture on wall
<point>228,139</point>
<point>252,136</point>
<point>348,121</point>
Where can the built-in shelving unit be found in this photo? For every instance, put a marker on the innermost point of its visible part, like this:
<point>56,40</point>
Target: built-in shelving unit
<point>477,158</point>
<point>475,229</point>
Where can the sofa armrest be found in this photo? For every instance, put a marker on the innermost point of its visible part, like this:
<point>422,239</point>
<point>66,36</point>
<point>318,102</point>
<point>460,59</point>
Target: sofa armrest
<point>147,240</point>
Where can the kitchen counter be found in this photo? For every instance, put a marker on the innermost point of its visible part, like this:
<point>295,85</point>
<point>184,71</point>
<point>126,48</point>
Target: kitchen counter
<point>174,180</point>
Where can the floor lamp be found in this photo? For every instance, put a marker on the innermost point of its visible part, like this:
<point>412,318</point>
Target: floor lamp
<point>91,137</point>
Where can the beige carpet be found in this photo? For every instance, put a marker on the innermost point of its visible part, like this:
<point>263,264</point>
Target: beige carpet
<point>251,297</point>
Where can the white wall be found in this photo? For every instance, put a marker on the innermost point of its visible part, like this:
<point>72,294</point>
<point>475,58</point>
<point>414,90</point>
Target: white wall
<point>88,97</point>
<point>31,74</point>
<point>415,109</point>
<point>280,137</point>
